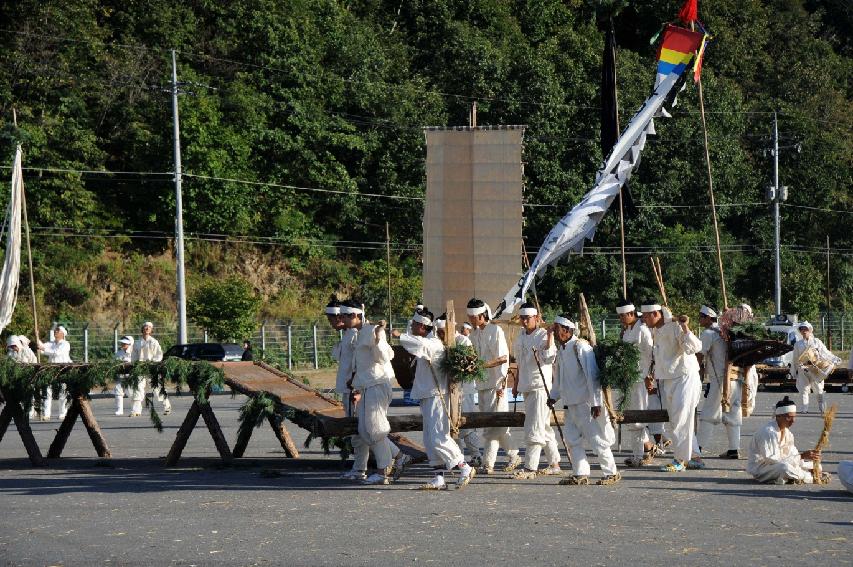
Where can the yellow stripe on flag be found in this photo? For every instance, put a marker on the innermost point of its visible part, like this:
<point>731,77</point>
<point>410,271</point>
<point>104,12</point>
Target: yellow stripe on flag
<point>674,57</point>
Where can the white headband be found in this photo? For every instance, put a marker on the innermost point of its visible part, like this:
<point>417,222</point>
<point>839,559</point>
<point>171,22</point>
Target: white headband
<point>805,324</point>
<point>126,340</point>
<point>441,323</point>
<point>782,410</point>
<point>650,308</point>
<point>622,309</point>
<point>527,311</point>
<point>12,341</point>
<point>476,310</point>
<point>467,325</point>
<point>147,324</point>
<point>346,310</point>
<point>61,328</point>
<point>564,322</point>
<point>705,310</point>
<point>423,319</point>
<point>333,310</point>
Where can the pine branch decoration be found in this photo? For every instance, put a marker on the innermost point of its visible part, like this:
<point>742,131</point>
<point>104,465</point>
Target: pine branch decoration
<point>618,366</point>
<point>462,364</point>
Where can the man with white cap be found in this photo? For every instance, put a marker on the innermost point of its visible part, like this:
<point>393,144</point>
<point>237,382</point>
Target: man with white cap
<point>347,316</point>
<point>635,332</point>
<point>466,329</point>
<point>123,354</point>
<point>468,438</point>
<point>713,358</point>
<point>147,349</point>
<point>371,387</point>
<point>58,351</point>
<point>490,343</point>
<point>18,349</point>
<point>809,376</point>
<point>586,418</point>
<point>430,387</point>
<point>676,369</point>
<point>535,353</point>
<point>773,457</point>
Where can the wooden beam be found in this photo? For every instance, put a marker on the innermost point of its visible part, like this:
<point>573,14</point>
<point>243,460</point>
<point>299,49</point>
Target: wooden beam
<point>183,434</point>
<point>13,412</point>
<point>55,450</point>
<point>472,420</point>
<point>278,426</point>
<point>92,427</point>
<point>216,432</point>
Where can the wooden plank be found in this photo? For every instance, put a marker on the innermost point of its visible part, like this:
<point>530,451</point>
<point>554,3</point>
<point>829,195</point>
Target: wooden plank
<point>281,433</point>
<point>22,423</point>
<point>91,424</point>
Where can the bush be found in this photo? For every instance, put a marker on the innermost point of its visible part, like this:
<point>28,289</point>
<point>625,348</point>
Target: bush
<point>227,309</point>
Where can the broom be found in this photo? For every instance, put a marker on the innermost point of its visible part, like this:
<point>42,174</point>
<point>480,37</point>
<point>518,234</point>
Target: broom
<point>823,441</point>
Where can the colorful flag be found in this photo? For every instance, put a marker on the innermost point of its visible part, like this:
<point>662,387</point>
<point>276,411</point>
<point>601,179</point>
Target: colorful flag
<point>677,50</point>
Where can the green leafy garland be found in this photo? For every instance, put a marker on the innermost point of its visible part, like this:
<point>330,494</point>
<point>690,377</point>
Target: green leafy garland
<point>254,412</point>
<point>462,364</point>
<point>752,330</point>
<point>22,383</point>
<point>618,366</point>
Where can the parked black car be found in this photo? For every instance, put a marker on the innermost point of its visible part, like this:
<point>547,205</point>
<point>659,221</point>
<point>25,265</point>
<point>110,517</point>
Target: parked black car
<point>227,352</point>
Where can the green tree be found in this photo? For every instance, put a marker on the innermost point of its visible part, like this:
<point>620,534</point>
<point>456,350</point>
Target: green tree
<point>227,309</point>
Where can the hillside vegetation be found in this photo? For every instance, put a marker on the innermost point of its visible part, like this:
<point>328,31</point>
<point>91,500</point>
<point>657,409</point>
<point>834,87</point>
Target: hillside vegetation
<point>302,135</point>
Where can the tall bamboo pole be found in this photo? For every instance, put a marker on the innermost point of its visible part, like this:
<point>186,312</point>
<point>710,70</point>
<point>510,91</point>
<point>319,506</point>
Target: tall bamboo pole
<point>29,251</point>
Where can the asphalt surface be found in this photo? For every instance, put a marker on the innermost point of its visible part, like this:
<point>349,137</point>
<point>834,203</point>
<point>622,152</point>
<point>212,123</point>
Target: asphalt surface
<point>269,510</point>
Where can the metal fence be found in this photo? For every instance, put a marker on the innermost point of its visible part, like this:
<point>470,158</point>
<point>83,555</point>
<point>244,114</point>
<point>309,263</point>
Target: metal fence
<point>308,344</point>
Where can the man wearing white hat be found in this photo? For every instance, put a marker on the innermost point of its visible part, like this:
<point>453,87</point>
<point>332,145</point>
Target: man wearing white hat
<point>123,354</point>
<point>467,328</point>
<point>430,387</point>
<point>58,351</point>
<point>18,349</point>
<point>635,332</point>
<point>808,376</point>
<point>469,439</point>
<point>490,343</point>
<point>586,418</point>
<point>535,353</point>
<point>677,370</point>
<point>347,316</point>
<point>773,457</point>
<point>713,358</point>
<point>371,387</point>
<point>147,348</point>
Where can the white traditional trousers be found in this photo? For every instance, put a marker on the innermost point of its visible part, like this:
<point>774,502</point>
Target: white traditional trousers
<point>138,395</point>
<point>440,446</point>
<point>794,469</point>
<point>47,401</point>
<point>579,427</point>
<point>495,437</point>
<point>360,449</point>
<point>681,396</point>
<point>805,384</point>
<point>470,438</point>
<point>538,433</point>
<point>638,399</point>
<point>373,426</point>
<point>712,415</point>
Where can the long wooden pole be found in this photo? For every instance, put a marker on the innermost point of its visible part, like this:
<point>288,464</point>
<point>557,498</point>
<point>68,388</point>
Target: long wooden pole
<point>828,306</point>
<point>29,250</point>
<point>388,265</point>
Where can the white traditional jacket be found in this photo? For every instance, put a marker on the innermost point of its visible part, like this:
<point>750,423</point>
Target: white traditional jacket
<point>675,352</point>
<point>490,343</point>
<point>576,374</point>
<point>641,336</point>
<point>529,376</point>
<point>427,350</point>
<point>372,360</point>
<point>147,350</point>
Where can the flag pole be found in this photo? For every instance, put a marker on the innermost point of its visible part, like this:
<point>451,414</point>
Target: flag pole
<point>29,250</point>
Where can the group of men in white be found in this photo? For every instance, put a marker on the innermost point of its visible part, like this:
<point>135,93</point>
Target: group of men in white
<point>58,351</point>
<point>557,367</point>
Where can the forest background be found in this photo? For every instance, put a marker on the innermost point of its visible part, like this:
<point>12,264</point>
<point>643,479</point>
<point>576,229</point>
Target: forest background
<point>302,136</point>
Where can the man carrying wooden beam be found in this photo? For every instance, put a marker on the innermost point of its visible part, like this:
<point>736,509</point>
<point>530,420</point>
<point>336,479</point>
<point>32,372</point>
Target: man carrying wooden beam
<point>535,353</point>
<point>713,359</point>
<point>430,387</point>
<point>677,372</point>
<point>586,418</point>
<point>635,332</point>
<point>490,343</point>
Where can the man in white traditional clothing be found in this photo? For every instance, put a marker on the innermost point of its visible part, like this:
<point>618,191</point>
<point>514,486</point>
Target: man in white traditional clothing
<point>712,358</point>
<point>676,371</point>
<point>348,317</point>
<point>430,387</point>
<point>490,343</point>
<point>147,349</point>
<point>535,353</point>
<point>635,332</point>
<point>18,349</point>
<point>58,351</point>
<point>467,328</point>
<point>813,362</point>
<point>845,474</point>
<point>469,439</point>
<point>123,354</point>
<point>371,388</point>
<point>773,457</point>
<point>587,420</point>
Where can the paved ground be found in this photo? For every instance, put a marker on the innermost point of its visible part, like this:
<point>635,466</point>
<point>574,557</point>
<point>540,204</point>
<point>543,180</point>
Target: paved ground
<point>267,510</point>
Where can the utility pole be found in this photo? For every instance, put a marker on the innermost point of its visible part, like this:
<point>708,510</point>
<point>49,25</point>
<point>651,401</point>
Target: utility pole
<point>776,194</point>
<point>179,214</point>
